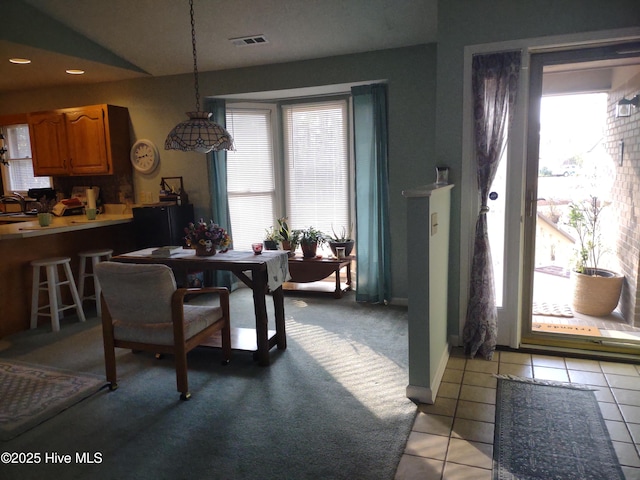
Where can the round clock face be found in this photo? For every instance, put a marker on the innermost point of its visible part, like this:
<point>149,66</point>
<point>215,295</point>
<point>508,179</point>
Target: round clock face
<point>144,156</point>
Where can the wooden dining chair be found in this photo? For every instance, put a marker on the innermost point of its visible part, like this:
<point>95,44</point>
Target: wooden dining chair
<point>144,310</point>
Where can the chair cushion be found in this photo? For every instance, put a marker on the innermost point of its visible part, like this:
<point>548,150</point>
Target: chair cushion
<point>137,293</point>
<point>196,319</point>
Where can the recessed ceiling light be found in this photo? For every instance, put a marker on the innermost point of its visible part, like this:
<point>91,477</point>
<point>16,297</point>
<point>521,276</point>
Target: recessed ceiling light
<point>20,61</point>
<point>73,71</point>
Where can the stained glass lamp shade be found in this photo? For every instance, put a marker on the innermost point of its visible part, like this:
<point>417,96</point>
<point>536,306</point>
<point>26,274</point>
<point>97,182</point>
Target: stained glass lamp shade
<point>199,134</point>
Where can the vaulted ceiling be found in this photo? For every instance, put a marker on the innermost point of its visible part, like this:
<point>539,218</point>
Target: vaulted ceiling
<point>123,39</point>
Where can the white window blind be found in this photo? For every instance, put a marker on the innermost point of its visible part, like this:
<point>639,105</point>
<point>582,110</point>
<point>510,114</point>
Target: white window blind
<point>18,175</point>
<point>317,165</point>
<point>250,175</point>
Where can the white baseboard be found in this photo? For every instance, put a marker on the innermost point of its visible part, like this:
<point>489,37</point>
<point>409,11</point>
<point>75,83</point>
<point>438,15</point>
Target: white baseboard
<point>420,394</point>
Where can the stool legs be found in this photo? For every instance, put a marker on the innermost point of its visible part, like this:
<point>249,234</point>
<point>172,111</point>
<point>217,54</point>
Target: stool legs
<point>81,276</point>
<point>74,292</point>
<point>35,294</point>
<point>96,286</point>
<point>54,296</point>
<point>52,286</point>
<point>96,257</point>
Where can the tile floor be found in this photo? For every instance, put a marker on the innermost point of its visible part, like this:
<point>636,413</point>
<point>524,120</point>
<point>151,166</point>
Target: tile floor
<point>453,439</point>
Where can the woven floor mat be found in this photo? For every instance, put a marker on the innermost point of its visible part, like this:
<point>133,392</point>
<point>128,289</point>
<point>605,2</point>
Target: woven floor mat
<point>552,309</point>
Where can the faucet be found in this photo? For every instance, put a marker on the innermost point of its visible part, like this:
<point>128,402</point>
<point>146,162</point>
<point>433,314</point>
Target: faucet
<point>15,197</point>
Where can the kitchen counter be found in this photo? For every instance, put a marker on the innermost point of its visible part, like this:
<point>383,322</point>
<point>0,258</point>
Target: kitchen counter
<point>25,241</point>
<point>21,228</point>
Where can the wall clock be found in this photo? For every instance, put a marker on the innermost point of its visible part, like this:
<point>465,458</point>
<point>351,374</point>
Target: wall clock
<point>144,156</point>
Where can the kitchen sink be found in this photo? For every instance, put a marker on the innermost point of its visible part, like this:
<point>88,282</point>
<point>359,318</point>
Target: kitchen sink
<point>13,217</point>
<point>19,214</point>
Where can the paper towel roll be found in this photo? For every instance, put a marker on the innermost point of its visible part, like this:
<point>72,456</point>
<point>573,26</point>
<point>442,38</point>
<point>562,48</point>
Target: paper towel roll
<point>91,198</point>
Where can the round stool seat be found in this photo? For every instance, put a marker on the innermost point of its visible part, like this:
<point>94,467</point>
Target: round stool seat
<point>54,280</point>
<point>105,252</point>
<point>43,262</point>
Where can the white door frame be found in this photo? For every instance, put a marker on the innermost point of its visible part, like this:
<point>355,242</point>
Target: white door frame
<point>510,316</point>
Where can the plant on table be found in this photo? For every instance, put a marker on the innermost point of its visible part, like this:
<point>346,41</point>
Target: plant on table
<point>209,236</point>
<point>310,239</point>
<point>271,238</point>
<point>341,239</point>
<point>286,235</point>
<point>44,205</point>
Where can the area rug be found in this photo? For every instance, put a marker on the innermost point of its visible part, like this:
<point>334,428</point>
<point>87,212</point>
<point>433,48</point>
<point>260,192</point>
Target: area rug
<point>552,309</point>
<point>31,394</point>
<point>546,430</point>
<point>569,329</point>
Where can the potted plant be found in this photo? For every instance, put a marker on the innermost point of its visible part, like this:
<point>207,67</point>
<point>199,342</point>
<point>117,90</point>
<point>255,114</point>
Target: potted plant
<point>44,207</point>
<point>310,238</point>
<point>342,239</point>
<point>596,291</point>
<point>285,235</point>
<point>207,238</point>
<point>271,239</point>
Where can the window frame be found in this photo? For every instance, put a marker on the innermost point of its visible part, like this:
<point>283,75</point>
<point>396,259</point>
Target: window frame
<point>280,169</point>
<point>6,175</point>
<point>278,198</point>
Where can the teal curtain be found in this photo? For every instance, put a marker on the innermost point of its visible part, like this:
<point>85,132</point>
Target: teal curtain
<point>373,275</point>
<point>217,169</point>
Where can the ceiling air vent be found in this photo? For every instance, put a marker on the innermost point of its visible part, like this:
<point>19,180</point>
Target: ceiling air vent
<point>248,41</point>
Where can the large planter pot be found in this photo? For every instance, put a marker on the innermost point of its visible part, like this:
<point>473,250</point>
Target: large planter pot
<point>348,247</point>
<point>596,292</point>
<point>309,249</point>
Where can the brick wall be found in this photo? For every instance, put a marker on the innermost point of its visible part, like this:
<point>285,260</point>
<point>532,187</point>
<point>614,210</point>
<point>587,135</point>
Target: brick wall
<point>626,195</point>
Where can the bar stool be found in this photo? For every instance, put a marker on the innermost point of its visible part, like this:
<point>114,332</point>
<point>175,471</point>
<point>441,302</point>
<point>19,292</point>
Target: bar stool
<point>96,257</point>
<point>52,286</point>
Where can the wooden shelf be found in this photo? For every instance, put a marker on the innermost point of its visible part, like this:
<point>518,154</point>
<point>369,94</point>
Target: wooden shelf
<point>309,275</point>
<point>241,339</point>
<point>322,286</point>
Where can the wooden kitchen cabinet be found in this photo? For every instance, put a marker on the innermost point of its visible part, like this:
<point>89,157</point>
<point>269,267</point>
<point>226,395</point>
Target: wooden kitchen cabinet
<point>92,140</point>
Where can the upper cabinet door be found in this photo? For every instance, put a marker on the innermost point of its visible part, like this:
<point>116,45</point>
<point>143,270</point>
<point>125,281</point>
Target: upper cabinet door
<point>87,140</point>
<point>91,140</point>
<point>49,143</point>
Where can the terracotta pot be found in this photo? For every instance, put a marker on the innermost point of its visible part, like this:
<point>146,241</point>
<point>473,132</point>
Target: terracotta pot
<point>309,249</point>
<point>598,294</point>
<point>203,251</point>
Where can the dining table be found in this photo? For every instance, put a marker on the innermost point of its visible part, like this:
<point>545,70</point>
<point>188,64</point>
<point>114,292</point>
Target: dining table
<point>264,273</point>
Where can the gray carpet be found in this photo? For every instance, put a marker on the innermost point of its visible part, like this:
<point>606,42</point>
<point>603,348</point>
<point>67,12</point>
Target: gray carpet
<point>547,431</point>
<point>332,406</point>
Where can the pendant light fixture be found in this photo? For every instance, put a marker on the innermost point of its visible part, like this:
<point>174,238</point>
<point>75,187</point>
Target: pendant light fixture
<point>199,133</point>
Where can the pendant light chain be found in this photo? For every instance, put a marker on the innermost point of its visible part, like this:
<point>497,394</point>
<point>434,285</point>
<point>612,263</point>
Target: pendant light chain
<point>195,56</point>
